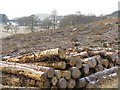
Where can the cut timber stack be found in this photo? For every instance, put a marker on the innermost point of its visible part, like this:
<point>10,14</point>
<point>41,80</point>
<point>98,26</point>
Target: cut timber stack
<point>59,68</point>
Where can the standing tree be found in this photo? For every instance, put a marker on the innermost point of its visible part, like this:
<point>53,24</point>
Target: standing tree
<point>31,22</point>
<point>46,23</point>
<point>54,18</point>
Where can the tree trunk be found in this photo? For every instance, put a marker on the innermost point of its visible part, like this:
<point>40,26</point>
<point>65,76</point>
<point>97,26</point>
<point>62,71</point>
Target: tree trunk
<point>85,69</point>
<point>105,62</point>
<point>90,61</point>
<point>70,60</point>
<point>66,74</point>
<point>62,83</point>
<point>38,56</point>
<point>71,83</point>
<point>111,56</point>
<point>81,83</point>
<point>75,72</point>
<point>27,72</point>
<point>48,70</point>
<point>82,54</point>
<point>56,65</point>
<point>52,52</point>
<point>8,79</point>
<point>54,81</point>
<point>58,74</point>
<point>78,62</point>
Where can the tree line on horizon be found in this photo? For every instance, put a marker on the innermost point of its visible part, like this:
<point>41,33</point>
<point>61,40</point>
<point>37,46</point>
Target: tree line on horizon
<point>54,20</point>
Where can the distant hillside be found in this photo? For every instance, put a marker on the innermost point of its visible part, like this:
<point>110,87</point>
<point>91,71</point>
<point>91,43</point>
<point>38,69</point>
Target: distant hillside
<point>114,14</point>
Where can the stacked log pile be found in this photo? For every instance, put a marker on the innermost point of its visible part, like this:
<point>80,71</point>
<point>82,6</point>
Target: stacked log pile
<point>59,68</point>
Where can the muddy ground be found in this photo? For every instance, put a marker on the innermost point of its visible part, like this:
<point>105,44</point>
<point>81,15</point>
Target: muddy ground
<point>89,35</point>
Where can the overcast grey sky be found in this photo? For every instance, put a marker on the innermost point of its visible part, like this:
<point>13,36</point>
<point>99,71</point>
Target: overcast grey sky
<point>18,8</point>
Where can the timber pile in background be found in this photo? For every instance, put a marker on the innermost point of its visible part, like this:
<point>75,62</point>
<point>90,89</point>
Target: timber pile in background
<point>61,68</point>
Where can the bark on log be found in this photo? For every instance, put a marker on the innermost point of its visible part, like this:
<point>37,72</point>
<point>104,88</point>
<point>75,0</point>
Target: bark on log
<point>99,67</point>
<point>46,84</point>
<point>56,65</point>
<point>66,74</point>
<point>81,83</point>
<point>102,53</point>
<point>91,61</point>
<point>27,82</point>
<point>22,58</point>
<point>48,70</point>
<point>111,64</point>
<point>105,62</point>
<point>71,83</point>
<point>70,60</point>
<point>38,56</point>
<point>78,62</point>
<point>98,59</point>
<point>8,79</point>
<point>39,84</point>
<point>75,72</point>
<point>82,54</point>
<point>27,72</point>
<point>111,56</point>
<point>52,52</point>
<point>62,83</point>
<point>54,81</point>
<point>58,74</point>
<point>85,69</point>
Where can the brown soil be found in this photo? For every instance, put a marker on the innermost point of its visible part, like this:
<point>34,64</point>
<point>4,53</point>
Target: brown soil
<point>90,35</point>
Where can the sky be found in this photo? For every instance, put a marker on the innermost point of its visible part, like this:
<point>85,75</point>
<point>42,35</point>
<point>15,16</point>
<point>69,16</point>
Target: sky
<point>19,8</point>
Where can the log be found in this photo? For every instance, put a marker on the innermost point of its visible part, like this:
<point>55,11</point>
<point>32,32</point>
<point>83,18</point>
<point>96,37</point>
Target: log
<point>99,67</point>
<point>105,62</point>
<point>70,60</point>
<point>48,70</point>
<point>91,78</point>
<point>66,74</point>
<point>27,72</point>
<point>54,81</point>
<point>102,53</point>
<point>85,69</point>
<point>71,83</point>
<point>81,83</point>
<point>27,82</point>
<point>58,74</point>
<point>11,80</point>
<point>56,65</point>
<point>82,54</point>
<point>75,72</point>
<point>111,56</point>
<point>52,52</point>
<point>46,84</point>
<point>98,59</point>
<point>22,58</point>
<point>111,64</point>
<point>38,56</point>
<point>91,61</point>
<point>39,84</point>
<point>62,83</point>
<point>78,62</point>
